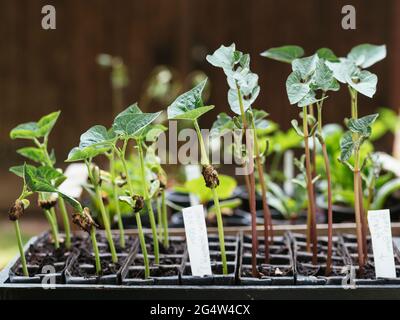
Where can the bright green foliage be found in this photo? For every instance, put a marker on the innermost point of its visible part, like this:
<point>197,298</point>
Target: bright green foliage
<point>284,54</point>
<point>189,106</point>
<point>34,130</point>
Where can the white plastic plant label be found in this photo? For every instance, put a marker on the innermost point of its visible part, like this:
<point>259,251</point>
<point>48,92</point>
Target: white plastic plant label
<point>197,240</point>
<point>192,171</point>
<point>382,243</point>
<point>77,176</point>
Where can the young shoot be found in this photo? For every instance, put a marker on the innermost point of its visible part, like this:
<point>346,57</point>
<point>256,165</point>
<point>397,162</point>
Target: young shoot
<point>85,222</point>
<point>243,91</point>
<point>189,106</point>
<point>350,71</point>
<point>153,163</point>
<point>14,214</point>
<point>96,141</point>
<point>133,124</point>
<point>38,133</point>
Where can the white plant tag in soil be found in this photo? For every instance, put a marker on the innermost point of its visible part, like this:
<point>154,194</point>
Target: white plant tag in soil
<point>77,176</point>
<point>382,243</point>
<point>192,171</point>
<point>197,240</point>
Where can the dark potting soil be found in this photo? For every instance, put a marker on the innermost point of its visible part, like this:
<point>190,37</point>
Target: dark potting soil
<point>176,246</point>
<point>279,264</point>
<point>42,255</point>
<point>138,273</point>
<point>304,261</point>
<point>104,247</point>
<point>84,265</point>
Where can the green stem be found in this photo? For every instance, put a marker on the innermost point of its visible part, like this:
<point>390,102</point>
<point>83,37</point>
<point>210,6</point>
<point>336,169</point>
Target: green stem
<point>164,219</point>
<point>21,248</point>
<point>137,214</point>
<point>67,228</point>
<point>95,250</point>
<point>106,223</point>
<point>203,151</point>
<point>159,218</point>
<point>220,231</point>
<point>116,202</point>
<point>143,245</point>
<point>148,204</point>
<point>53,228</point>
<point>205,162</point>
<point>61,203</point>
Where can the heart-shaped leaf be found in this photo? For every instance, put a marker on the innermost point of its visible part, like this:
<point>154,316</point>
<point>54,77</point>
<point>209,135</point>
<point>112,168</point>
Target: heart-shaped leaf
<point>189,106</point>
<point>295,87</point>
<point>346,146</point>
<point>362,125</point>
<point>366,55</point>
<point>224,57</point>
<point>33,153</point>
<point>43,179</point>
<point>95,141</point>
<point>327,54</point>
<point>342,70</point>
<point>364,82</point>
<point>132,121</point>
<point>32,130</point>
<point>221,126</point>
<point>305,67</point>
<point>323,78</point>
<point>284,54</point>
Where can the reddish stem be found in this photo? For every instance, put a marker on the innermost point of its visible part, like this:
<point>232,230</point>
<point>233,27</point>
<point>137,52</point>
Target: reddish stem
<point>330,214</point>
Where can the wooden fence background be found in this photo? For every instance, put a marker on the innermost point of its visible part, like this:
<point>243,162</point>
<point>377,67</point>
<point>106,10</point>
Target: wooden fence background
<point>41,71</point>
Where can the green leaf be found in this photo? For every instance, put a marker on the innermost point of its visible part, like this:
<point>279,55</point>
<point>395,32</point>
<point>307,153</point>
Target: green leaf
<point>95,141</point>
<point>296,89</point>
<point>154,188</point>
<point>323,78</point>
<point>33,153</point>
<point>305,66</point>
<point>346,146</point>
<point>152,132</point>
<point>260,123</point>
<point>327,54</point>
<point>384,192</point>
<point>249,89</point>
<point>365,55</point>
<point>189,106</point>
<point>46,123</point>
<point>309,99</point>
<point>32,130</point>
<point>222,125</point>
<point>44,179</point>
<point>364,82</point>
<point>388,121</point>
<point>296,128</point>
<point>128,200</point>
<point>342,70</point>
<point>96,136</point>
<point>19,170</point>
<point>132,121</point>
<point>284,54</point>
<point>225,189</point>
<point>362,125</point>
<point>224,57</point>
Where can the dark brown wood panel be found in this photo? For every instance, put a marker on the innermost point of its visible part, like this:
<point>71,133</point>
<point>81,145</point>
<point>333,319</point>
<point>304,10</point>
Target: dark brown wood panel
<point>41,71</point>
